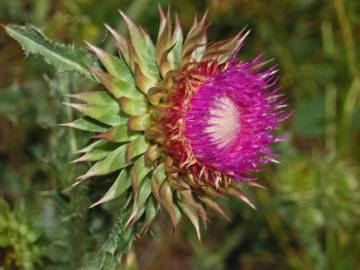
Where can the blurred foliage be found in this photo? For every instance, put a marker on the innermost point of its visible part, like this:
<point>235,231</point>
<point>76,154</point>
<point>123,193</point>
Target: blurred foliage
<point>307,219</point>
<point>19,242</point>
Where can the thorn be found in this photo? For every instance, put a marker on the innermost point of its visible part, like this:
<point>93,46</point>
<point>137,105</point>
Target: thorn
<point>128,21</point>
<point>80,159</point>
<point>161,12</point>
<point>274,160</point>
<point>96,203</point>
<point>69,124</point>
<point>76,183</point>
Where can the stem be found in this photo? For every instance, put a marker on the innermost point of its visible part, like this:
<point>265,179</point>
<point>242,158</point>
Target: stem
<point>79,202</point>
<point>354,91</point>
<point>119,242</point>
<point>331,119</point>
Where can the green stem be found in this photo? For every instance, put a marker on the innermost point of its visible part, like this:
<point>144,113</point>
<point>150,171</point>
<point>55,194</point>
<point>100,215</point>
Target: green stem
<point>79,202</point>
<point>119,242</point>
<point>353,93</point>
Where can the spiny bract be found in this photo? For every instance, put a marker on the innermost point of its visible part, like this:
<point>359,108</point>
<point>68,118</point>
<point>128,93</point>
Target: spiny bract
<point>183,122</point>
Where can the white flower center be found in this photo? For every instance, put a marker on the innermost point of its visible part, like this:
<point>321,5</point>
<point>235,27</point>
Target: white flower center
<point>224,121</point>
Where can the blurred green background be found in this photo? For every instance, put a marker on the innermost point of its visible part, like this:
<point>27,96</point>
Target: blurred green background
<point>307,219</point>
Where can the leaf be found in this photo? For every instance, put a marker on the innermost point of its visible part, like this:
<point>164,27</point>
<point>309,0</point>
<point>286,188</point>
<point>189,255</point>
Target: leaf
<point>99,143</point>
<point>214,206</point>
<point>113,162</point>
<point>114,65</point>
<point>150,213</point>
<point>86,124</point>
<point>121,184</point>
<point>133,107</point>
<point>178,40</point>
<point>63,58</point>
<point>167,200</point>
<point>144,48</point>
<point>138,172</point>
<point>108,114</point>
<point>117,87</point>
<point>136,147</point>
<point>97,153</point>
<point>139,123</point>
<point>119,133</point>
<point>158,177</point>
<point>144,192</point>
<point>191,213</point>
<point>95,98</point>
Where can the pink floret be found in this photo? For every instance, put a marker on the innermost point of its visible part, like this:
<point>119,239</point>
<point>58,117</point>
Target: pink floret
<point>236,142</point>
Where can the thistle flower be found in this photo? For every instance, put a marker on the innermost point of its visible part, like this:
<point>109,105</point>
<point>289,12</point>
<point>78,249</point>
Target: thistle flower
<point>183,122</point>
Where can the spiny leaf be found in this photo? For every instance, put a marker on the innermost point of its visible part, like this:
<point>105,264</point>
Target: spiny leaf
<point>236,192</point>
<point>117,87</point>
<point>136,147</point>
<point>133,107</point>
<point>144,192</point>
<point>119,133</point>
<point>97,153</point>
<point>98,143</point>
<point>139,123</point>
<point>109,114</point>
<point>168,202</point>
<point>121,184</point>
<point>138,172</point>
<point>144,48</point>
<point>139,203</point>
<point>150,213</point>
<point>63,58</point>
<point>178,40</point>
<point>187,196</point>
<point>191,213</point>
<point>113,162</point>
<point>86,124</point>
<point>158,177</point>
<point>95,98</point>
<point>114,65</point>
<point>213,205</point>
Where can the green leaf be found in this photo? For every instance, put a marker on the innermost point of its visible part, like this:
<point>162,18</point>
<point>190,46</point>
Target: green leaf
<point>63,58</point>
<point>151,211</point>
<point>168,202</point>
<point>95,98</point>
<point>108,114</point>
<point>121,184</point>
<point>178,39</point>
<point>144,192</point>
<point>144,48</point>
<point>137,147</point>
<point>158,177</point>
<point>97,153</point>
<point>133,107</point>
<point>138,172</point>
<point>119,133</point>
<point>116,66</point>
<point>113,162</point>
<point>93,145</point>
<point>117,87</point>
<point>87,124</point>
<point>191,213</point>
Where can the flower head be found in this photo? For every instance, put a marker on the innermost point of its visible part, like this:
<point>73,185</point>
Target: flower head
<point>182,122</point>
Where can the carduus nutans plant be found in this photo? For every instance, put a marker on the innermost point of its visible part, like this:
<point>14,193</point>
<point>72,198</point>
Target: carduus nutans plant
<point>182,123</point>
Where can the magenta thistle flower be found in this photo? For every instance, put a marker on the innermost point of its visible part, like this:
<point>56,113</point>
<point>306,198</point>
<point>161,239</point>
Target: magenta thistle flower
<point>221,120</point>
<point>188,120</point>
